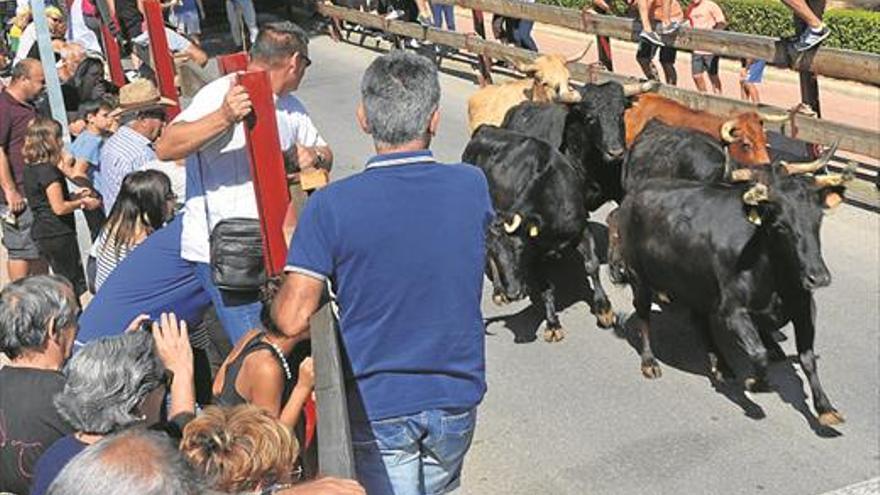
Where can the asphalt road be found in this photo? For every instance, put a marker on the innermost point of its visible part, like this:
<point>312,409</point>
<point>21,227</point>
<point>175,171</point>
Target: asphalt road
<point>576,417</point>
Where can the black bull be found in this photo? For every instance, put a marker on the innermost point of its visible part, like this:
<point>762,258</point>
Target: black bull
<point>539,200</point>
<point>744,258</point>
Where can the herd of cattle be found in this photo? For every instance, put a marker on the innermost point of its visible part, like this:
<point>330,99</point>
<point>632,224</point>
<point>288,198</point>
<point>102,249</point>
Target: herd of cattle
<point>706,219</point>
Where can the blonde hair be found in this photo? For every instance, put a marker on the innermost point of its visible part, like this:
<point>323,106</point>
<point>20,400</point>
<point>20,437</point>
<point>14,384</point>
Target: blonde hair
<point>241,448</point>
<point>42,142</point>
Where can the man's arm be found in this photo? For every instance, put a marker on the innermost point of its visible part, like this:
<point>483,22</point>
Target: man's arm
<point>295,303</point>
<point>182,139</point>
<point>13,196</point>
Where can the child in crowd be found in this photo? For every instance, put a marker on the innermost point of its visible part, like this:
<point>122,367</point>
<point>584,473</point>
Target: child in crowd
<point>45,187</point>
<point>144,205</point>
<point>87,145</point>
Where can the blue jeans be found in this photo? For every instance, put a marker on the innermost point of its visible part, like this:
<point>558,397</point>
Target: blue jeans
<point>441,11</point>
<point>154,279</point>
<point>523,35</point>
<point>420,454</point>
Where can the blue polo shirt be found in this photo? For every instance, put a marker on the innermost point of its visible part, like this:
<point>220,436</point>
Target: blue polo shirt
<point>403,244</point>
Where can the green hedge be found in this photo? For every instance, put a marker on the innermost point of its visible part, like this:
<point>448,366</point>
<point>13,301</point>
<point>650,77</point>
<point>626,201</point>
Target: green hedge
<point>850,29</point>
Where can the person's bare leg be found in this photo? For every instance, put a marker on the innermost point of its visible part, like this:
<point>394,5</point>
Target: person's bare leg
<point>802,10</point>
<point>670,74</point>
<point>17,269</point>
<point>645,16</point>
<point>667,12</point>
<point>716,83</point>
<point>699,82</point>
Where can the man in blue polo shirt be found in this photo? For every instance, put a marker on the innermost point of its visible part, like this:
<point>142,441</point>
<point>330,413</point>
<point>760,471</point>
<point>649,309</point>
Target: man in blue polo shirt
<point>403,244</point>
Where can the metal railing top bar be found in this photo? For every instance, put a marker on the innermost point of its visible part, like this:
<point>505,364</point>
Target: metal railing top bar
<point>854,139</point>
<point>831,62</point>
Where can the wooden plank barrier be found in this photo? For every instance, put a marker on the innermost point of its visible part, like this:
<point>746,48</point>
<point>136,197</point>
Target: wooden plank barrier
<point>853,139</point>
<point>830,62</point>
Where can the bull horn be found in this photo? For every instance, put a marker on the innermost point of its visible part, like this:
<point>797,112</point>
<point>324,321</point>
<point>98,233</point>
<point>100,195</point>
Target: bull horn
<point>582,55</point>
<point>524,68</point>
<point>756,194</point>
<point>632,89</point>
<point>727,131</point>
<point>570,96</point>
<point>741,175</point>
<point>514,224</point>
<point>831,180</point>
<point>813,166</point>
<point>773,118</point>
<point>533,231</point>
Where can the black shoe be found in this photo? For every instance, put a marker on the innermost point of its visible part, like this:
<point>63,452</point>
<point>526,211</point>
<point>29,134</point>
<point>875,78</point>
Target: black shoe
<point>652,38</point>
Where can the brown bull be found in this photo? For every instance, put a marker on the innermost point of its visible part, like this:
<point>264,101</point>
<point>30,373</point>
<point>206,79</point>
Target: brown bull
<point>548,80</point>
<point>743,133</point>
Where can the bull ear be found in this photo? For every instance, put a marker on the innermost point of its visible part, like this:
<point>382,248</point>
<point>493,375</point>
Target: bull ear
<point>831,197</point>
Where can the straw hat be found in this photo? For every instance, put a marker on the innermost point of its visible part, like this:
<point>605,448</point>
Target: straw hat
<point>138,96</point>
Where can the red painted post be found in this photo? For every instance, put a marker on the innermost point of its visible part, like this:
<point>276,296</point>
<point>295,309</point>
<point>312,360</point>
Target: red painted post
<point>163,63</point>
<point>233,62</point>
<point>114,59</point>
<point>270,186</point>
<point>267,168</point>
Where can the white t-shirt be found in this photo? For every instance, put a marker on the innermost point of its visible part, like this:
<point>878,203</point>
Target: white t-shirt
<point>26,42</point>
<point>218,177</point>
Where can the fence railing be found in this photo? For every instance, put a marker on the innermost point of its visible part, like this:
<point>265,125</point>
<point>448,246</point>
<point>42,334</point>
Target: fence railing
<point>831,62</point>
<point>853,139</point>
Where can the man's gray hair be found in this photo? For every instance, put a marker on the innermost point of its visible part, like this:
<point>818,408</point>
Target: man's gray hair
<point>278,41</point>
<point>399,92</point>
<point>135,461</point>
<point>107,380</point>
<point>28,306</point>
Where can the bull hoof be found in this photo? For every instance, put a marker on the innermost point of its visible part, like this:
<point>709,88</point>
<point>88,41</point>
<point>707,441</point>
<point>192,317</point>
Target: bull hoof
<point>831,418</point>
<point>606,318</point>
<point>757,385</point>
<point>554,334</point>
<point>718,369</point>
<point>651,369</point>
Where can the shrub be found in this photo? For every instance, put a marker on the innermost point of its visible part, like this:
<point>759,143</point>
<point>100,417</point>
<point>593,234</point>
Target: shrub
<point>850,29</point>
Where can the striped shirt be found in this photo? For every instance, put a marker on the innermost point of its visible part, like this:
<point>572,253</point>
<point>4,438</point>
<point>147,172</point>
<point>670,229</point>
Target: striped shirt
<point>107,257</point>
<point>125,152</point>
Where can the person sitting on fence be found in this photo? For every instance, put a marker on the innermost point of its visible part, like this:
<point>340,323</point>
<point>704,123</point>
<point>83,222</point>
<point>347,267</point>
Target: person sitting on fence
<point>705,14</point>
<point>117,383</point>
<point>648,41</point>
<point>257,370</point>
<point>419,395</point>
<point>815,31</point>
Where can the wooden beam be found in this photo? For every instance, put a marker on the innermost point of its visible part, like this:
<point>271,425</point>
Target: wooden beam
<point>854,139</point>
<point>831,62</point>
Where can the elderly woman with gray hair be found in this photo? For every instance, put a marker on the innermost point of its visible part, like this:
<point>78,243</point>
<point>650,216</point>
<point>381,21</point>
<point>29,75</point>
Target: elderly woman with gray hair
<point>116,383</point>
<point>37,330</point>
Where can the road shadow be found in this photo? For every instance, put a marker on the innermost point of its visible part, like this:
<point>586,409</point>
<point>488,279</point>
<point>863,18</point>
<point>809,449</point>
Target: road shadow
<point>678,343</point>
<point>569,278</point>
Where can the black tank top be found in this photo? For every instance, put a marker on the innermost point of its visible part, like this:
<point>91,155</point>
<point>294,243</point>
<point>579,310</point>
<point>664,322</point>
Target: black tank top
<point>229,396</point>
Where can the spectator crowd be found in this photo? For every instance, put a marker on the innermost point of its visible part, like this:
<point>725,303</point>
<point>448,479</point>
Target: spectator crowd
<point>164,360</point>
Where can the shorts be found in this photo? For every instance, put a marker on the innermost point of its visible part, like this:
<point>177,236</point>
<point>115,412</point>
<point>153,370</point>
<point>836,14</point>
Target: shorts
<point>704,62</point>
<point>17,238</point>
<point>187,22</point>
<point>756,72</point>
<point>647,51</point>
